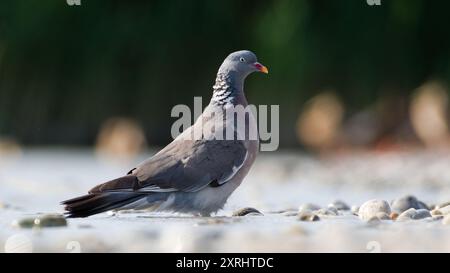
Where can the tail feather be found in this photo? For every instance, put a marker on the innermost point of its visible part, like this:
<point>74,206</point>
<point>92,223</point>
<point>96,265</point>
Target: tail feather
<point>91,204</point>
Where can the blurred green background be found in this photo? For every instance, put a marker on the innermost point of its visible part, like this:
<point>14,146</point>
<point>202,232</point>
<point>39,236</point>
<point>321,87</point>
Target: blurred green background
<point>65,70</point>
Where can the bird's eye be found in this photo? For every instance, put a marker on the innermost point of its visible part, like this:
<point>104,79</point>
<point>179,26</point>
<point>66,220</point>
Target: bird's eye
<point>242,60</point>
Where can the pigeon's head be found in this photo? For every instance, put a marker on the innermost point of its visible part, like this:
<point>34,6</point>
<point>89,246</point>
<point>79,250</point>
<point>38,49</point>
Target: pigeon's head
<point>243,63</point>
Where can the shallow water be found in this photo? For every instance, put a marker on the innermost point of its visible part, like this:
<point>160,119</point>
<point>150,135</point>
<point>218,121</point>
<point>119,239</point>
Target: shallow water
<point>36,180</point>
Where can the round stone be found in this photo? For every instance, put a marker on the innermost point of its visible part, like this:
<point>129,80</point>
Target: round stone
<point>422,214</point>
<point>50,220</point>
<point>371,208</point>
<point>446,220</point>
<point>339,205</point>
<point>407,202</point>
<point>307,216</point>
<point>407,215</point>
<point>308,207</point>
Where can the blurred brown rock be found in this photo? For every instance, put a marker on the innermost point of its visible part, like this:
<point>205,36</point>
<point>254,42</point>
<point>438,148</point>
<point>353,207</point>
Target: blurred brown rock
<point>120,138</point>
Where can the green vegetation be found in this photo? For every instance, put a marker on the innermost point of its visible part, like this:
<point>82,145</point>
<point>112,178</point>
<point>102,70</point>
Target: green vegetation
<point>65,69</point>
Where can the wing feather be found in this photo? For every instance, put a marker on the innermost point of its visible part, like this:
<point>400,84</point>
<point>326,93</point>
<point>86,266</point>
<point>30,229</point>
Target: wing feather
<point>183,165</point>
<point>190,165</point>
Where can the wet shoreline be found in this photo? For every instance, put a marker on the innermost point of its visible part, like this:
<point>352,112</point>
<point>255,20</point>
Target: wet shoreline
<point>278,185</point>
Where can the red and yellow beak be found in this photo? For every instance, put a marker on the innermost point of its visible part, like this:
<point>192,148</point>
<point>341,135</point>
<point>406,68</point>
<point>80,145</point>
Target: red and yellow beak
<point>261,68</point>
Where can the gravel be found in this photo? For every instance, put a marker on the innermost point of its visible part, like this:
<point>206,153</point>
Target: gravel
<point>322,189</point>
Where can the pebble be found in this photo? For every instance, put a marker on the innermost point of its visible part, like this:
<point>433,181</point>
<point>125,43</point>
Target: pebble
<point>50,220</point>
<point>354,209</point>
<point>422,214</point>
<point>444,210</point>
<point>446,220</point>
<point>47,220</point>
<point>290,213</point>
<point>282,211</point>
<point>407,215</point>
<point>308,207</point>
<point>383,216</point>
<point>436,218</point>
<point>24,223</point>
<point>380,216</point>
<point>247,211</point>
<point>436,212</point>
<point>327,212</point>
<point>413,214</point>
<point>407,202</point>
<point>111,213</point>
<point>307,216</point>
<point>394,215</point>
<point>333,210</point>
<point>339,205</point>
<point>374,220</point>
<point>371,208</point>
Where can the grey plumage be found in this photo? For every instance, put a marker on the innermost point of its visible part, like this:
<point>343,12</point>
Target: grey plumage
<point>188,175</point>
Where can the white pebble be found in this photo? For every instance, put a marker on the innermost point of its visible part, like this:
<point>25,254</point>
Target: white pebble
<point>374,220</point>
<point>339,205</point>
<point>327,212</point>
<point>308,207</point>
<point>354,209</point>
<point>383,216</point>
<point>413,214</point>
<point>372,207</point>
<point>445,210</point>
<point>446,220</point>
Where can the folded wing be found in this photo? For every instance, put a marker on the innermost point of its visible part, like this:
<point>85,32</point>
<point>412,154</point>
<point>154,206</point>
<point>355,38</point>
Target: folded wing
<point>183,165</point>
